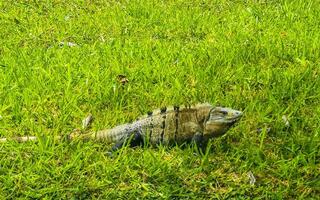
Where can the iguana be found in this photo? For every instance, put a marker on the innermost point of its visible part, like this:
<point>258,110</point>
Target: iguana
<point>168,125</point>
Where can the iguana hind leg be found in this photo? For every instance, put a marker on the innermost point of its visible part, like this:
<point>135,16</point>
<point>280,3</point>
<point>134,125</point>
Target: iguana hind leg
<point>134,139</point>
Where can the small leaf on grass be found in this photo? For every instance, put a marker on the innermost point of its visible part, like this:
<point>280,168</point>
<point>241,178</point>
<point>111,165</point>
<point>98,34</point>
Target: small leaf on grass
<point>252,179</point>
<point>122,79</point>
<point>259,130</point>
<point>69,44</point>
<point>285,120</point>
<point>87,121</point>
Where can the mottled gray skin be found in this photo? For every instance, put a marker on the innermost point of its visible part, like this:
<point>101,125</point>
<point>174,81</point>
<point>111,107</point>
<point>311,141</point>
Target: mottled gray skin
<point>171,125</point>
<point>174,125</point>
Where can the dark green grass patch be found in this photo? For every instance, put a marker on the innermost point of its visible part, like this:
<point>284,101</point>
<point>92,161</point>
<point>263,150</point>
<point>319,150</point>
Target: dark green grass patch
<point>60,61</point>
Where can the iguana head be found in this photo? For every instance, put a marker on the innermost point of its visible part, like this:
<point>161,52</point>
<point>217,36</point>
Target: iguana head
<point>220,120</point>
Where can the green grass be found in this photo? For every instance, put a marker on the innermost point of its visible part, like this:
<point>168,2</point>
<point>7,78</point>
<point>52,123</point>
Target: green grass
<point>261,57</point>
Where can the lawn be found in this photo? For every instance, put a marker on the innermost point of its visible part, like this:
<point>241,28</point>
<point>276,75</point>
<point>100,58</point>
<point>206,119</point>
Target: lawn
<point>61,60</point>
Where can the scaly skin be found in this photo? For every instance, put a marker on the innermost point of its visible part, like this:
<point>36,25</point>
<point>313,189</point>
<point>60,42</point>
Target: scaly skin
<point>167,125</point>
<point>172,125</point>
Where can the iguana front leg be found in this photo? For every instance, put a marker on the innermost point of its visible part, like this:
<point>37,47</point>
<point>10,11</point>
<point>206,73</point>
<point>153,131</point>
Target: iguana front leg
<point>199,141</point>
<point>197,138</point>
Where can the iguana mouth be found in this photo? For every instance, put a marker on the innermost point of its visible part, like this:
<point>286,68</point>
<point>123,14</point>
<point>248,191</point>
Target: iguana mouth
<point>235,116</point>
<point>233,120</point>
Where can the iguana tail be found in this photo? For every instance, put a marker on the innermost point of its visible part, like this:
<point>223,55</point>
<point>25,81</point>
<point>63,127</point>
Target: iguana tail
<point>73,136</point>
<point>20,139</point>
